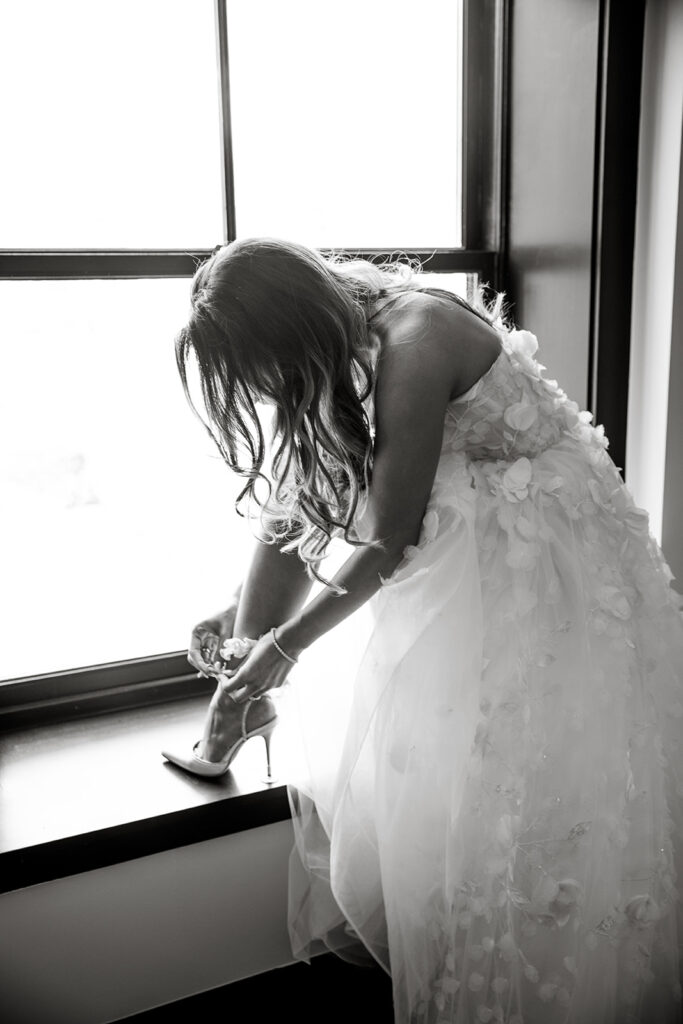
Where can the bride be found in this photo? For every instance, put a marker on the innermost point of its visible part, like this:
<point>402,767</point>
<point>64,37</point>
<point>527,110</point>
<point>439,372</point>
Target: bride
<point>490,796</point>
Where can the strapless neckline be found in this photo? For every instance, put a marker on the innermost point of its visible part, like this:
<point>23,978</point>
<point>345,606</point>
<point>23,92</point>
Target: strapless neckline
<point>474,390</point>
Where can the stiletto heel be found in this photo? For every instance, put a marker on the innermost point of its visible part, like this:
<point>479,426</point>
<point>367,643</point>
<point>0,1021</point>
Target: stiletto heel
<point>212,769</point>
<point>269,777</point>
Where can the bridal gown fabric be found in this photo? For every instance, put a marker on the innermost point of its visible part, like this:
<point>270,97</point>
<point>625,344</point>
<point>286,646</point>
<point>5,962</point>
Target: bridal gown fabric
<point>488,799</point>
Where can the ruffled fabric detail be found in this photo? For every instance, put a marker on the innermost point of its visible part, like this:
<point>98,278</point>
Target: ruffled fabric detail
<point>493,810</point>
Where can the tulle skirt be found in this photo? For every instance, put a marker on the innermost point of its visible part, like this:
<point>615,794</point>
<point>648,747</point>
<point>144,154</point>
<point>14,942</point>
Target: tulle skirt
<point>489,785</point>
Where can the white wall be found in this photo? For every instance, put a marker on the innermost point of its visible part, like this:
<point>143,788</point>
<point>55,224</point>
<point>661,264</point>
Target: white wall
<point>112,942</point>
<point>655,257</point>
<point>672,517</point>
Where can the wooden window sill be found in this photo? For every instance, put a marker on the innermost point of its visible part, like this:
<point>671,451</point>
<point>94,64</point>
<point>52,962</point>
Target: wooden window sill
<point>91,792</point>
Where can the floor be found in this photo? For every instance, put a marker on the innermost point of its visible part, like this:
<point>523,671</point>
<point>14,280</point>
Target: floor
<point>329,991</point>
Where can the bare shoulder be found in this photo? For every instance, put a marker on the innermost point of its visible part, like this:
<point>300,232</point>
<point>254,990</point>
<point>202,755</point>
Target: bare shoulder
<point>419,369</point>
<point>431,339</point>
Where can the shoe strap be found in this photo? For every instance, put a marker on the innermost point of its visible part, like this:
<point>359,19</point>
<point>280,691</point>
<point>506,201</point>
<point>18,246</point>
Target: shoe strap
<point>247,705</point>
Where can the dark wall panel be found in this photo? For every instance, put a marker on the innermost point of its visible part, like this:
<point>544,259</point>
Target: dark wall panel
<point>553,88</point>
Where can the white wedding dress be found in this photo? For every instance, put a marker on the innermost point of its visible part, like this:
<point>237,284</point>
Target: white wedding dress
<point>489,793</point>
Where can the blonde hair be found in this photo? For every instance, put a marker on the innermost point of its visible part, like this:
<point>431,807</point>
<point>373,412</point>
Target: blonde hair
<point>275,321</point>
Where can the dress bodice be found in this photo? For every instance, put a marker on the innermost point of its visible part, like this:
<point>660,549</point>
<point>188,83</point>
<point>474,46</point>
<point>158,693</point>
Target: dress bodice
<point>513,411</point>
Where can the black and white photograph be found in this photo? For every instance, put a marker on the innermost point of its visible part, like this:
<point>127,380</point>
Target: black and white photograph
<point>341,511</point>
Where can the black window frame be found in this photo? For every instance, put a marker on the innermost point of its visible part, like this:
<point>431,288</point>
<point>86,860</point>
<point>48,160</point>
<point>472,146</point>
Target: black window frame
<point>160,678</point>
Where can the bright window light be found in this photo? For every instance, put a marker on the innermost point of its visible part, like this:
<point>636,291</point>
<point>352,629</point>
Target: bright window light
<point>347,121</point>
<point>109,125</point>
<point>119,531</point>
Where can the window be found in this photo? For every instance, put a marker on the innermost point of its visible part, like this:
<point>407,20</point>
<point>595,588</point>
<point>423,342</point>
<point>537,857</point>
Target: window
<point>139,137</point>
<point>110,137</point>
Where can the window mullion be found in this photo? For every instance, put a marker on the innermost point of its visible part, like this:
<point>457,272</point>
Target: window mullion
<point>227,166</point>
<point>484,66</point>
<point>78,264</point>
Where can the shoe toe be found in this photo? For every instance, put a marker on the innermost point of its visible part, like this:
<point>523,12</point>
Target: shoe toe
<point>177,758</point>
<point>194,764</point>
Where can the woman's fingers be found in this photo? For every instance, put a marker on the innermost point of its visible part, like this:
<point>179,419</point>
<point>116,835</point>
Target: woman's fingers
<point>226,698</point>
<point>262,670</point>
<point>234,690</point>
<point>240,696</point>
<point>202,651</point>
<point>244,695</point>
<point>241,687</point>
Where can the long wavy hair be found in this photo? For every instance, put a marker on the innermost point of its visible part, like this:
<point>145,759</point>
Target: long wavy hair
<point>276,322</point>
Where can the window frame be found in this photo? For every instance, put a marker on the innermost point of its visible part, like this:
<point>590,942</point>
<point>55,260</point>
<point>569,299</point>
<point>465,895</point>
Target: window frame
<point>159,678</point>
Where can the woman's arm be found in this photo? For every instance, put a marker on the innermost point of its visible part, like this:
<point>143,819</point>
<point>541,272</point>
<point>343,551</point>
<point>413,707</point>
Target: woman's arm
<point>419,371</point>
<point>275,587</point>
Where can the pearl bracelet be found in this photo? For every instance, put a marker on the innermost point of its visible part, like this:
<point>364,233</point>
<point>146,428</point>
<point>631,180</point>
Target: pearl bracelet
<point>287,657</point>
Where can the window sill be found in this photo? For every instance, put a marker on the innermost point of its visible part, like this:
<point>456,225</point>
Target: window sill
<point>89,793</point>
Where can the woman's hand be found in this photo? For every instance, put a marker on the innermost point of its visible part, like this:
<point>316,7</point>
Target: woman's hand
<point>206,640</point>
<point>263,669</point>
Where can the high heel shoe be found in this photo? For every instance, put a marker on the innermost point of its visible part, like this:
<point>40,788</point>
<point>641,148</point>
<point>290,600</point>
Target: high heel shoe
<point>211,769</point>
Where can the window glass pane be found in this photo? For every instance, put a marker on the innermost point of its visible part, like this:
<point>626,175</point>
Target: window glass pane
<point>347,121</point>
<point>119,532</point>
<point>110,126</point>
